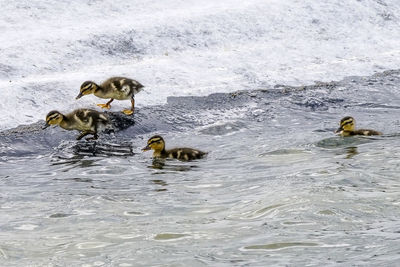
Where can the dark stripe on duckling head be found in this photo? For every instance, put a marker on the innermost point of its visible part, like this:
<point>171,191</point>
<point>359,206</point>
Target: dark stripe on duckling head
<point>155,139</point>
<point>346,120</point>
<point>52,115</point>
<point>87,85</point>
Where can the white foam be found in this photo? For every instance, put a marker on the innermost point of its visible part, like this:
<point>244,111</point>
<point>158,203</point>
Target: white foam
<point>48,48</point>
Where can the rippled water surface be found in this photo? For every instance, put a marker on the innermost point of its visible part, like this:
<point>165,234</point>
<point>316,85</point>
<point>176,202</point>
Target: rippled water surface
<point>277,187</point>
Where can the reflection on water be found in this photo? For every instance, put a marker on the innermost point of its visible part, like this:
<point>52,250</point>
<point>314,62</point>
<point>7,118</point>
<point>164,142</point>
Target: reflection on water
<point>96,148</point>
<point>351,152</point>
<point>159,182</point>
<point>158,163</point>
<point>347,146</point>
<point>162,183</point>
<point>76,161</point>
<point>79,149</point>
<point>171,165</point>
<point>85,154</point>
<point>340,142</point>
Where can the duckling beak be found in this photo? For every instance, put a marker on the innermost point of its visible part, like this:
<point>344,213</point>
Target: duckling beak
<point>339,130</point>
<point>146,148</point>
<point>79,96</point>
<point>45,126</point>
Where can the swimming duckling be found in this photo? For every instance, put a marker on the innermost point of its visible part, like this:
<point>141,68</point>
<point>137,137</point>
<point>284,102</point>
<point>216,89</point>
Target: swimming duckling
<point>158,145</point>
<point>347,128</point>
<point>115,88</point>
<point>87,121</point>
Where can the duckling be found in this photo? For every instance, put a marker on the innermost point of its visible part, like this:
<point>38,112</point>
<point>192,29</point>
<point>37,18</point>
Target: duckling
<point>157,143</point>
<point>87,121</point>
<point>347,128</point>
<point>115,88</point>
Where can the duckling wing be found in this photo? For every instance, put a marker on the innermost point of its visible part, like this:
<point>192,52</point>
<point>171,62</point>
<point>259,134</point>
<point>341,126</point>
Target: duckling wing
<point>90,119</point>
<point>85,116</point>
<point>96,117</point>
<point>79,120</point>
<point>185,153</point>
<point>367,132</point>
<point>124,87</point>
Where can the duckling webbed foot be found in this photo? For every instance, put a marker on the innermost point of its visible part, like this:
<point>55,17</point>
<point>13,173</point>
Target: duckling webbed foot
<point>132,110</point>
<point>106,105</point>
<point>128,111</point>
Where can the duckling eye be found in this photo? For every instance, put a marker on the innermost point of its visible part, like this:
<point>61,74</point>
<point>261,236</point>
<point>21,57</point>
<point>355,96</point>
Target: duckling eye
<point>53,117</point>
<point>347,122</point>
<point>153,141</point>
<point>87,87</point>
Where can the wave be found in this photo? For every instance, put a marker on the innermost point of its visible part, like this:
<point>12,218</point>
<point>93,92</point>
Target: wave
<point>179,49</point>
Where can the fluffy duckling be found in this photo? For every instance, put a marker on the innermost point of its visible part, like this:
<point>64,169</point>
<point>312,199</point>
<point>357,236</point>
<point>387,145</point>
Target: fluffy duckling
<point>115,88</point>
<point>347,128</point>
<point>157,143</point>
<point>87,121</point>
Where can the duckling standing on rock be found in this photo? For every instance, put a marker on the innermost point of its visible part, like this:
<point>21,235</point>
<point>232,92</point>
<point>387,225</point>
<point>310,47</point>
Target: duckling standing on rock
<point>158,145</point>
<point>347,128</point>
<point>115,88</point>
<point>87,121</point>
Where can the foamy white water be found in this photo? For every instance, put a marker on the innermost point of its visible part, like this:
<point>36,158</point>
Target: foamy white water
<point>48,48</point>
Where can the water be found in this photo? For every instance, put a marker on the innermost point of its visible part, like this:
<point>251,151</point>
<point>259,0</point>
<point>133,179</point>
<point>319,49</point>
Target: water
<point>277,187</point>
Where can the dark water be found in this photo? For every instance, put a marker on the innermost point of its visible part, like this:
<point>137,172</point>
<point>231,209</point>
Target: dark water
<point>278,187</point>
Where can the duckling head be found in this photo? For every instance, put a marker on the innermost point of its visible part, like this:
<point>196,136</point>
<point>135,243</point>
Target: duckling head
<point>53,118</point>
<point>156,143</point>
<point>347,124</point>
<point>87,88</point>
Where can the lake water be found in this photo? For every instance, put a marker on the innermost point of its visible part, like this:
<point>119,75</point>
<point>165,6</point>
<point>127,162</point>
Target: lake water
<point>277,187</point>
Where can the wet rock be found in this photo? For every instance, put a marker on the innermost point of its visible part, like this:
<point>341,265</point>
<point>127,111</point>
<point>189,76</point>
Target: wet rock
<point>216,114</point>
